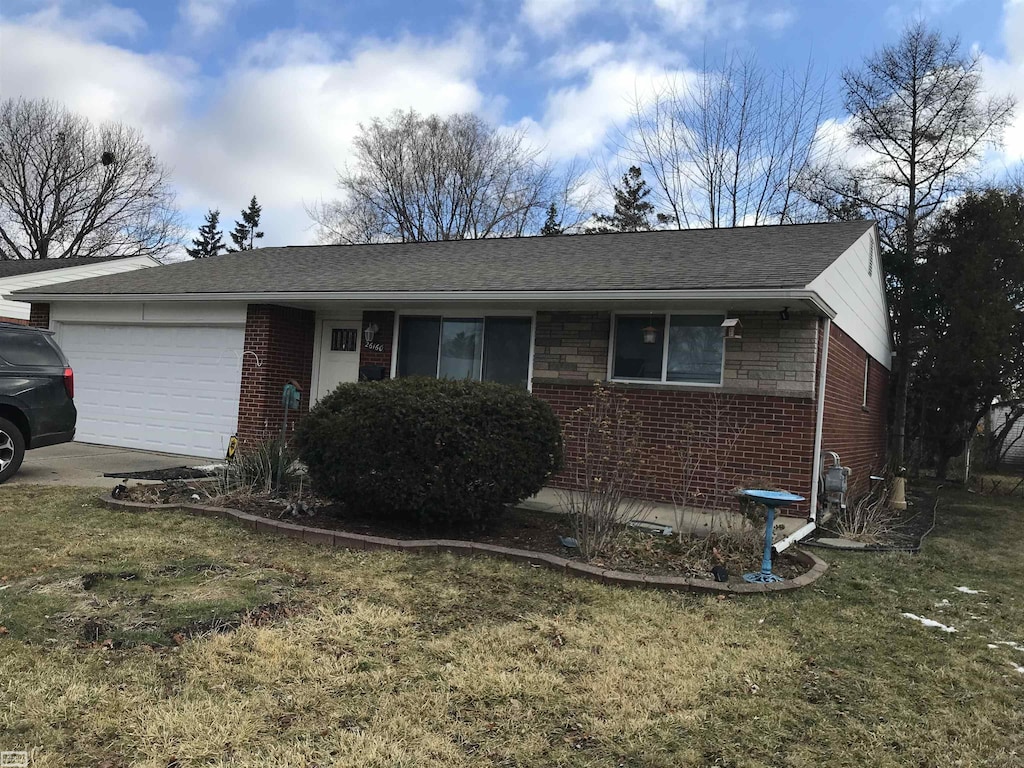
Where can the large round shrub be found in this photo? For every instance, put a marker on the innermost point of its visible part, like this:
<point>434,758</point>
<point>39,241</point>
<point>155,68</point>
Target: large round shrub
<point>432,451</point>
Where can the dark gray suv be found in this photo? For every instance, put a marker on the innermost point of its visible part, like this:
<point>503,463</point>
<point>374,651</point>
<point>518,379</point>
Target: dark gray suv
<point>37,389</point>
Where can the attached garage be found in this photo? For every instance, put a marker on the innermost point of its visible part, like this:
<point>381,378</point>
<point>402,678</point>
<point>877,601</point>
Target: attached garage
<point>160,386</point>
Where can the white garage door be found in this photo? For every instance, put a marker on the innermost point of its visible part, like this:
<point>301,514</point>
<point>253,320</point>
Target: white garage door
<point>162,388</point>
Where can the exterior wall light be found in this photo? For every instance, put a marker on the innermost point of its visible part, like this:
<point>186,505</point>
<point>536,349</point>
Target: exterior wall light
<point>369,332</point>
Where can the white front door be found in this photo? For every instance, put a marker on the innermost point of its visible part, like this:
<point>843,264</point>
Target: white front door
<point>339,354</point>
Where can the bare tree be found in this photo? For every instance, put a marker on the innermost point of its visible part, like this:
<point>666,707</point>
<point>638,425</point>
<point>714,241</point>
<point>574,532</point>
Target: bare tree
<point>421,178</point>
<point>920,118</point>
<point>70,189</point>
<point>727,147</point>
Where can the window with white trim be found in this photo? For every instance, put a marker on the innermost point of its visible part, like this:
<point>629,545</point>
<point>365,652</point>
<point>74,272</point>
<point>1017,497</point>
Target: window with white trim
<point>478,348</point>
<point>691,352</point>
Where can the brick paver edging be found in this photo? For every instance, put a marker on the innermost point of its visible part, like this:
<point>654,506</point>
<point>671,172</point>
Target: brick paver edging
<point>469,549</point>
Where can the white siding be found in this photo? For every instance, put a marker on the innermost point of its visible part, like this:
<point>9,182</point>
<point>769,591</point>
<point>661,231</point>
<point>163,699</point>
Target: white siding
<point>1015,453</point>
<point>852,286</point>
<point>20,309</point>
<point>149,313</point>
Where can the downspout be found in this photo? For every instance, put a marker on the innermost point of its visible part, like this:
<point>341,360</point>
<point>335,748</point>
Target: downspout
<point>812,518</point>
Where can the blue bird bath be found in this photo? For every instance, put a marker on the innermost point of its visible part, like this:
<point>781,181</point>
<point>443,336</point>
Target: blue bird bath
<point>771,500</point>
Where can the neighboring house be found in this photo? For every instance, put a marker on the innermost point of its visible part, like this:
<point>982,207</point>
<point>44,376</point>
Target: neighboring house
<point>178,359</point>
<point>1013,445</point>
<point>16,274</point>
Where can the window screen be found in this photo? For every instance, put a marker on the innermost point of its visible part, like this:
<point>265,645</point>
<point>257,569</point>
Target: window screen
<point>695,349</point>
<point>20,348</point>
<point>634,357</point>
<point>418,338</point>
<point>507,350</point>
<point>461,349</point>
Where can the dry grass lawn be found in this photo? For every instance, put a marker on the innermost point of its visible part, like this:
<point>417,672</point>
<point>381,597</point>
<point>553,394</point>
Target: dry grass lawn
<point>168,641</point>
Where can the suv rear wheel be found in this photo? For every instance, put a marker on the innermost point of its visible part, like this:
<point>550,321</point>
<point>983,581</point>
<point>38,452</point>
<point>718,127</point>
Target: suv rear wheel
<point>12,449</point>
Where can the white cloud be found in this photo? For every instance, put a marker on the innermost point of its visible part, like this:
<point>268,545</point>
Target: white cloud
<point>551,17</point>
<point>201,17</point>
<point>581,60</point>
<point>578,120</point>
<point>1006,76</point>
<point>278,124</point>
<point>102,21</point>
<point>723,16</point>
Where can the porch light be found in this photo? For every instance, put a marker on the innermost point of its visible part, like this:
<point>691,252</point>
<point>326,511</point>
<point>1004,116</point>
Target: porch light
<point>369,332</point>
<point>650,334</point>
<point>732,328</point>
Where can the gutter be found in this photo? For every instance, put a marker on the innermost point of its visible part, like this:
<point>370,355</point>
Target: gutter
<point>743,294</point>
<point>812,518</point>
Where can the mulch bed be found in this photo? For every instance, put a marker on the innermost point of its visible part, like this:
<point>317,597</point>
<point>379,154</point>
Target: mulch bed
<point>637,551</point>
<point>172,473</point>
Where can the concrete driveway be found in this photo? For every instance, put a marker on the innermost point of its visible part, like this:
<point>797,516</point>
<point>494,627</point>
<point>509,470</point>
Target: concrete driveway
<point>85,464</point>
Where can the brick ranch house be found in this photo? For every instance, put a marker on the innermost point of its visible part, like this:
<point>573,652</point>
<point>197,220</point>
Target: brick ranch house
<point>181,357</point>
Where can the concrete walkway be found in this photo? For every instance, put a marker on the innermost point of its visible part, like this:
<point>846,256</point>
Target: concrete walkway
<point>694,521</point>
<point>85,464</point>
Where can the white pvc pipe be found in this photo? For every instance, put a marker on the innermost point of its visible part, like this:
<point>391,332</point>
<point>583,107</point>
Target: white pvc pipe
<point>816,470</point>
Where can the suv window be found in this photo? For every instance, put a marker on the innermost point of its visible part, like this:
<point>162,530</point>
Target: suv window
<point>26,348</point>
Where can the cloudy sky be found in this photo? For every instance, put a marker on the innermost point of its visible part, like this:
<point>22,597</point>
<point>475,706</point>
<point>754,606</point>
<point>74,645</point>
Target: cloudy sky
<point>244,97</point>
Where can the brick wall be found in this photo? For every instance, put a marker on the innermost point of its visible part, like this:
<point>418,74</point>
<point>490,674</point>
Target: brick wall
<point>385,322</point>
<point>39,315</point>
<point>856,433</point>
<point>15,320</point>
<point>775,444</point>
<point>282,340</point>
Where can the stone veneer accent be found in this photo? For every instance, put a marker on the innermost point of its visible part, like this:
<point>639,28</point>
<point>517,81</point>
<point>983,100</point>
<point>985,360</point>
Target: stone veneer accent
<point>572,346</point>
<point>817,567</point>
<point>773,357</point>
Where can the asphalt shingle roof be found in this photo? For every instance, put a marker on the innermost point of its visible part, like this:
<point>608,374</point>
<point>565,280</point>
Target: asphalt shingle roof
<point>788,256</point>
<point>17,267</point>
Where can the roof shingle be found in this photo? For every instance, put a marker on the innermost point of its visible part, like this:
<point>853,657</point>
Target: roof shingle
<point>789,256</point>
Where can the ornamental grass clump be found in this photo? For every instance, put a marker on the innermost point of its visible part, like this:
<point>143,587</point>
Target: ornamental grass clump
<point>431,452</point>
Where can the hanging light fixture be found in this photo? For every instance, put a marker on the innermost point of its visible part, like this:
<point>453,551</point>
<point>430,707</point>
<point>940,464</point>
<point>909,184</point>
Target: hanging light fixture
<point>650,332</point>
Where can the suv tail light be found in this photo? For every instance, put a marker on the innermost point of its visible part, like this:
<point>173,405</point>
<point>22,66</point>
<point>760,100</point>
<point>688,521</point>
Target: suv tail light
<point>69,382</point>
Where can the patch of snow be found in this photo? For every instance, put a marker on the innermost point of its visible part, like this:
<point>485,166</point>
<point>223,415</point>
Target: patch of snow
<point>969,591</point>
<point>992,645</point>
<point>928,622</point>
<point>1019,669</point>
<point>209,467</point>
<point>1014,645</point>
<point>942,603</point>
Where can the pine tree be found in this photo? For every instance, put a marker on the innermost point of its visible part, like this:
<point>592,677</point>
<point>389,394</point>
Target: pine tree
<point>632,209</point>
<point>551,225</point>
<point>246,231</point>
<point>209,242</point>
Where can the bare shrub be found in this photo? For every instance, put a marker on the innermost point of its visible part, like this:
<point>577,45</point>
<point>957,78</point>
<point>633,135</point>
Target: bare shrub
<point>605,462</point>
<point>704,448</point>
<point>869,519</point>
